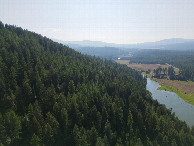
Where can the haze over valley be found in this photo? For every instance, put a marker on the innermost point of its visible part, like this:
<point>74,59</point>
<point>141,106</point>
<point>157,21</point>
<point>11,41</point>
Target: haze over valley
<point>97,73</point>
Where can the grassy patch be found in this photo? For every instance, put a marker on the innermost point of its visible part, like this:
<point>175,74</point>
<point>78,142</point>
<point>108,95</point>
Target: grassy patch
<point>137,66</point>
<point>123,61</point>
<point>185,82</point>
<point>184,86</point>
<point>176,70</point>
<point>186,97</point>
<point>144,73</point>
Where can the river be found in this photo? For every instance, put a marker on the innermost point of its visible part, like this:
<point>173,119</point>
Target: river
<point>183,110</point>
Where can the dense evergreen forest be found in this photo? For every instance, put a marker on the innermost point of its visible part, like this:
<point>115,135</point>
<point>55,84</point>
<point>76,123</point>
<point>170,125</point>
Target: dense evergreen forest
<point>53,95</point>
<point>184,60</point>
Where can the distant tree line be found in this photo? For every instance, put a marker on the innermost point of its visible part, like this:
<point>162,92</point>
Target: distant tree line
<point>164,73</point>
<point>53,95</point>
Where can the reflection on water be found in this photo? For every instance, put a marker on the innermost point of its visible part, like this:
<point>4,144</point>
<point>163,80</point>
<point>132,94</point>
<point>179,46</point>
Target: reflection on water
<point>184,111</point>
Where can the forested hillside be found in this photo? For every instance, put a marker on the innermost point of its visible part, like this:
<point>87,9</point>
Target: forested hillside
<point>184,60</point>
<point>53,95</point>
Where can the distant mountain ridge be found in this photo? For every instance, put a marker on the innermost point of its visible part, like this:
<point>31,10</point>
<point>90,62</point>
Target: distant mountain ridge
<point>166,44</point>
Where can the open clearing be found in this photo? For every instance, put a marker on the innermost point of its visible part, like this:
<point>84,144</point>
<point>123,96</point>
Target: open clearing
<point>185,87</point>
<point>141,67</point>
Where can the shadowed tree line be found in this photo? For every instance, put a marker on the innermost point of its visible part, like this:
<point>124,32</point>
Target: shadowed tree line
<point>164,73</point>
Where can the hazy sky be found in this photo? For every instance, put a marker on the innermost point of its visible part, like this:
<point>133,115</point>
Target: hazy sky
<point>116,21</point>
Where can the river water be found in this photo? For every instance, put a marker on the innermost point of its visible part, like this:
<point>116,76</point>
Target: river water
<point>183,110</point>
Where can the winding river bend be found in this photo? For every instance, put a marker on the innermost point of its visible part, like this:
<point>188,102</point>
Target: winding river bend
<point>184,111</point>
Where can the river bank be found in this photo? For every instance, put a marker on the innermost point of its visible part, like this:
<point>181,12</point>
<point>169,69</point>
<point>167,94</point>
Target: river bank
<point>183,110</point>
<point>184,89</point>
<point>189,98</point>
<point>186,96</point>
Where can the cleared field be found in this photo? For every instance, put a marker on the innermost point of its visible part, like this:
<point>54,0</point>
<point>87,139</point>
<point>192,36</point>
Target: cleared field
<point>186,97</point>
<point>185,87</point>
<point>123,61</point>
<point>141,67</point>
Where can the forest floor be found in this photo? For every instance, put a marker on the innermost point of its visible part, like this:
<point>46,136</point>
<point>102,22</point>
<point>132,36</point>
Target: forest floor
<point>184,89</point>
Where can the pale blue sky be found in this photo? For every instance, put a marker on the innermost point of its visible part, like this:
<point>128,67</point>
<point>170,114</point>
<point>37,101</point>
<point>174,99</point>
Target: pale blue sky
<point>116,21</point>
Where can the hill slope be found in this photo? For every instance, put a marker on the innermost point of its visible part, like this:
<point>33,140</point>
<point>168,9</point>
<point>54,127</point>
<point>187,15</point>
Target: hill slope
<point>53,95</point>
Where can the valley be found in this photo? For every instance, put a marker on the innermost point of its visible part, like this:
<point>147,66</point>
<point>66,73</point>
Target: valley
<point>96,73</point>
<point>185,89</point>
<point>181,95</point>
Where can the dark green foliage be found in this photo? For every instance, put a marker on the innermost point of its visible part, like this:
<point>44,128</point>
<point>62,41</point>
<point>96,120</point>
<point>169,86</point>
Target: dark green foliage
<point>171,73</point>
<point>10,128</point>
<point>53,95</point>
<point>165,73</point>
